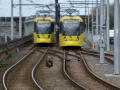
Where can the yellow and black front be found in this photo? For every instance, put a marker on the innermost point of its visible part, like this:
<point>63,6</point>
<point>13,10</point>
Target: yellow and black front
<point>44,30</point>
<point>71,33</point>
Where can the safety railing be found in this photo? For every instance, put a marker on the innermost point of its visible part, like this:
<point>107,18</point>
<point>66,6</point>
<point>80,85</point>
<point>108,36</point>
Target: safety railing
<point>14,43</point>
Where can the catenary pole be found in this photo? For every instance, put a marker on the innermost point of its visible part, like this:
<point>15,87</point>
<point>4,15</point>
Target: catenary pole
<point>6,38</point>
<point>57,18</point>
<point>104,11</point>
<point>20,19</point>
<point>88,19</point>
<point>116,37</point>
<point>85,17</point>
<point>102,43</point>
<point>96,17</point>
<point>108,26</point>
<point>12,21</point>
<point>92,25</point>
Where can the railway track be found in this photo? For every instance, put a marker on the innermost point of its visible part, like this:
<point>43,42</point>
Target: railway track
<point>86,77</point>
<point>18,76</point>
<point>81,86</point>
<point>105,70</point>
<point>105,84</point>
<point>31,73</point>
<point>8,62</point>
<point>96,52</point>
<point>35,68</point>
<point>54,77</point>
<point>94,82</point>
<point>79,72</point>
<point>108,57</point>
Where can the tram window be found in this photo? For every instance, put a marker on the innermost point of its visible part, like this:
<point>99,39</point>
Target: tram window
<point>71,28</point>
<point>43,27</point>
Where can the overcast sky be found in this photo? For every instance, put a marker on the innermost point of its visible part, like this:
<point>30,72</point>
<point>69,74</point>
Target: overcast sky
<point>28,10</point>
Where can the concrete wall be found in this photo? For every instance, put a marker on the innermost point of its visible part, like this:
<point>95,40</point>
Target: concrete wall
<point>28,28</point>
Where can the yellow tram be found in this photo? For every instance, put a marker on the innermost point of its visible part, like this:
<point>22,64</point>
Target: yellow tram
<point>71,32</point>
<point>43,30</point>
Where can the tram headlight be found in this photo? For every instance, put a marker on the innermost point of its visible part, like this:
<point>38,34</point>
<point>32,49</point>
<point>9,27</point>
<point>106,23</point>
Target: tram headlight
<point>77,38</point>
<point>65,38</point>
<point>49,36</point>
<point>38,36</point>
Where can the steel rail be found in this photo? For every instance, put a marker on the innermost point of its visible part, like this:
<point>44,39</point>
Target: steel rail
<point>87,68</point>
<point>34,69</point>
<point>93,51</point>
<point>64,67</point>
<point>12,67</point>
<point>108,59</point>
<point>68,76</point>
<point>52,52</point>
<point>95,76</point>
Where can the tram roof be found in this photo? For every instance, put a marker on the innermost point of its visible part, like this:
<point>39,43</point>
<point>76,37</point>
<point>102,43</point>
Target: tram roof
<point>43,18</point>
<point>70,17</point>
